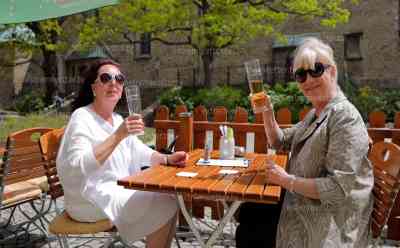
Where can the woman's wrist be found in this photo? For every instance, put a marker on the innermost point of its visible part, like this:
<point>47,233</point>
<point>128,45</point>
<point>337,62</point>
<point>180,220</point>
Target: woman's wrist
<point>166,159</point>
<point>268,108</point>
<point>290,185</point>
<point>119,135</point>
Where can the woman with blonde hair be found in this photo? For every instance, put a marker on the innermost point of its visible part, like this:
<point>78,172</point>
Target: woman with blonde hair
<point>329,178</point>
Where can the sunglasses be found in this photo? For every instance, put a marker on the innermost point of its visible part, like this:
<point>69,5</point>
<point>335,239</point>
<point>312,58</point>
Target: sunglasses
<point>107,77</point>
<point>301,73</point>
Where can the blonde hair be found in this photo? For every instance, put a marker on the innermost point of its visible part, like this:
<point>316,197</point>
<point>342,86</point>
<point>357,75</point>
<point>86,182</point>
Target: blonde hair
<point>313,50</point>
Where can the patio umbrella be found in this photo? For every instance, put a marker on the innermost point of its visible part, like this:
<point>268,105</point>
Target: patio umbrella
<point>19,11</point>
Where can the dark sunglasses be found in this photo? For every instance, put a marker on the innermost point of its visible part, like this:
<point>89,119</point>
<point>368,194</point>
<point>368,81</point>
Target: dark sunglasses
<point>107,77</point>
<point>301,73</point>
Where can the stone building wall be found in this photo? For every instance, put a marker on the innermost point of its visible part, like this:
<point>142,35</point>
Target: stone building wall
<point>372,61</point>
<point>376,24</point>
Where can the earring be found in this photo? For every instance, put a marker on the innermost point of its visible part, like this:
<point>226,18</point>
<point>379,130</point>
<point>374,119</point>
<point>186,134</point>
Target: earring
<point>94,94</point>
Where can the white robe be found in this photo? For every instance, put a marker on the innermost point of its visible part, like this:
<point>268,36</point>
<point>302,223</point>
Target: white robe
<point>91,192</point>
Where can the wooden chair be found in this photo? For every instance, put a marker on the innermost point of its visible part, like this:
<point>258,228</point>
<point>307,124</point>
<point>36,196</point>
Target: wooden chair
<point>385,158</point>
<point>63,225</point>
<point>22,179</point>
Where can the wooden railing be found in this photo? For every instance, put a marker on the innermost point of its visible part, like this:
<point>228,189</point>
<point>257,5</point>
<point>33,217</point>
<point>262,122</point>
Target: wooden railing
<point>191,133</point>
<point>377,126</point>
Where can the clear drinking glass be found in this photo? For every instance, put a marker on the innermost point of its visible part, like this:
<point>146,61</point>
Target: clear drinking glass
<point>254,76</point>
<point>255,79</point>
<point>132,93</point>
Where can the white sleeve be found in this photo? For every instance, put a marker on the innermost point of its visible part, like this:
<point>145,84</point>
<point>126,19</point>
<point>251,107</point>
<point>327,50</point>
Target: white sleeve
<point>142,154</point>
<point>78,148</point>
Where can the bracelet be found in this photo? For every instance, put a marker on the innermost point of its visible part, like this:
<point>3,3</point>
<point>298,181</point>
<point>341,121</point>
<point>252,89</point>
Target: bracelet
<point>268,109</point>
<point>291,183</point>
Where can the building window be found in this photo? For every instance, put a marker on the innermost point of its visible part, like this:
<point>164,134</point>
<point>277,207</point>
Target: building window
<point>352,46</point>
<point>145,44</point>
<point>282,63</point>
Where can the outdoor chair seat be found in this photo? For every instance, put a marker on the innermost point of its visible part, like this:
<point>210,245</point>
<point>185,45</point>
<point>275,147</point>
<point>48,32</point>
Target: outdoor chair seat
<point>22,162</point>
<point>63,224</point>
<point>41,182</point>
<point>385,158</point>
<point>20,192</point>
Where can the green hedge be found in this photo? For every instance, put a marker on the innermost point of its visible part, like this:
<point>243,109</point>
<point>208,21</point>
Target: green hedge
<point>29,102</point>
<point>281,95</point>
<point>366,99</point>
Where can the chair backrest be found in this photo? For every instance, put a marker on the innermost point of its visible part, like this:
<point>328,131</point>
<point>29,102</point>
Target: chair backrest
<point>22,159</point>
<point>385,158</point>
<point>49,144</point>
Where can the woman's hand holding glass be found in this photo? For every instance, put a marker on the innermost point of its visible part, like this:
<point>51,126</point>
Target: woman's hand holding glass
<point>132,124</point>
<point>261,102</point>
<point>274,174</point>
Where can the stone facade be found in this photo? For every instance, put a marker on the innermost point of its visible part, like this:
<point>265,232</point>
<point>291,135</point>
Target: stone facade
<point>367,48</point>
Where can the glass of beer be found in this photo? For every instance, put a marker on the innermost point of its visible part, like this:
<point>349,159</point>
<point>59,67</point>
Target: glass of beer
<point>255,79</point>
<point>132,93</point>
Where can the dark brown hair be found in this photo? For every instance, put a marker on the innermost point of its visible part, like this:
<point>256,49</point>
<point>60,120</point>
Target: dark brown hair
<point>85,95</point>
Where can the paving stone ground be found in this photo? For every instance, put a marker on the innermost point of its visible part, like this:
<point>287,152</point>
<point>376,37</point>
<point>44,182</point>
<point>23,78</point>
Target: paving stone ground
<point>36,239</point>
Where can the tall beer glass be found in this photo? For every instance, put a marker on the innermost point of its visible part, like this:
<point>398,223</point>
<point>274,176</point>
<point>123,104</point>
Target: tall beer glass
<point>255,79</point>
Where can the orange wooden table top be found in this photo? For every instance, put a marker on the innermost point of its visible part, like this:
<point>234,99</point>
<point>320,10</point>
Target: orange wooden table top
<point>247,185</point>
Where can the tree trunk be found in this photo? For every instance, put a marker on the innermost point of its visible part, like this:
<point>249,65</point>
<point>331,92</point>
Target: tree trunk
<point>49,66</point>
<point>207,58</point>
<point>61,77</point>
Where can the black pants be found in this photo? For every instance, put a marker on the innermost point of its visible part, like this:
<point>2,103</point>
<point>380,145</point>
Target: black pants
<point>258,225</point>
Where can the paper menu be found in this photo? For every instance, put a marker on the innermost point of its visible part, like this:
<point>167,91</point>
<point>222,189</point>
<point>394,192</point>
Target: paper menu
<point>225,162</point>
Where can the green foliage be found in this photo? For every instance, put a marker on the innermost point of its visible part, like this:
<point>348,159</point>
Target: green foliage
<point>177,96</point>
<point>204,25</point>
<point>219,96</point>
<point>29,102</point>
<point>392,98</point>
<point>228,97</point>
<point>149,137</point>
<point>348,87</point>
<point>289,96</point>
<point>282,96</point>
<point>368,99</point>
<point>365,99</point>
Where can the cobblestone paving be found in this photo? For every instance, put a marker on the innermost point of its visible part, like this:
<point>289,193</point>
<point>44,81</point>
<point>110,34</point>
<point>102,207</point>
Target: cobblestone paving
<point>37,240</point>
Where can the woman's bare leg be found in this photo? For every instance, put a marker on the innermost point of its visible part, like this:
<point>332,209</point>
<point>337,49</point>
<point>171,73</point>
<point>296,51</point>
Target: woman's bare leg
<point>162,238</point>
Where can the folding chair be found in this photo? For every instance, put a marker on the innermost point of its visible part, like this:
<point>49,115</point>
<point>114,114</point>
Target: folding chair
<point>385,158</point>
<point>22,180</point>
<point>63,225</point>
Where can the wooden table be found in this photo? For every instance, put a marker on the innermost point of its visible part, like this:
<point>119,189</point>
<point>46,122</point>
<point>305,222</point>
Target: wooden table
<point>247,185</point>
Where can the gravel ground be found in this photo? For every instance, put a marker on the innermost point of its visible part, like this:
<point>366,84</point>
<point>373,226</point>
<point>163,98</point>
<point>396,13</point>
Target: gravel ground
<point>36,239</point>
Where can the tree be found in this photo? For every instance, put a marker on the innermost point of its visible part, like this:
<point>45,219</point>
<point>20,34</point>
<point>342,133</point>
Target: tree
<point>205,25</point>
<point>52,40</point>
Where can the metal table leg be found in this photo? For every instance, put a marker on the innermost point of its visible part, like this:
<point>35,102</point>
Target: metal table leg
<point>220,228</point>
<point>189,220</point>
<point>214,235</point>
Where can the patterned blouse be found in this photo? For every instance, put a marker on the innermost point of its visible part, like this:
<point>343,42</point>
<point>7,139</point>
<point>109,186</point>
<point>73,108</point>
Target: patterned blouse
<point>332,148</point>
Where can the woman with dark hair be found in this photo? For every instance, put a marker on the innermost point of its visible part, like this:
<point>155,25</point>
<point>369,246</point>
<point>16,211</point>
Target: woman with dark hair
<point>98,148</point>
